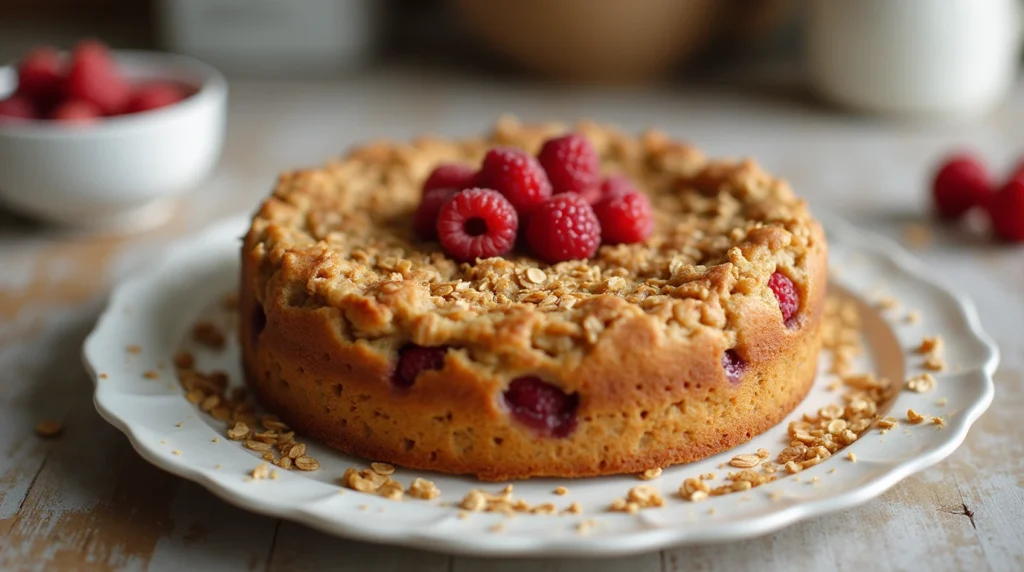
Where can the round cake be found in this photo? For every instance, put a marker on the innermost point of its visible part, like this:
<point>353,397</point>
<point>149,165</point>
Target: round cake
<point>359,334</point>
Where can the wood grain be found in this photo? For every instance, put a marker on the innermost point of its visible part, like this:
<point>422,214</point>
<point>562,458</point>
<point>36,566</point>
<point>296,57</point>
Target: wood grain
<point>85,501</point>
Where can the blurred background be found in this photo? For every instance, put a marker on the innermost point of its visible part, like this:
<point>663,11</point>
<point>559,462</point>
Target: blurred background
<point>809,87</point>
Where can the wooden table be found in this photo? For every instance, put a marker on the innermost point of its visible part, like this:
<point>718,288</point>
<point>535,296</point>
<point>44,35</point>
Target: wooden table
<point>85,500</point>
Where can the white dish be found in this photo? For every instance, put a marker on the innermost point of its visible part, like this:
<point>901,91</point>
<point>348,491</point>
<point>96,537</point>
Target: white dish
<point>123,171</point>
<point>156,309</point>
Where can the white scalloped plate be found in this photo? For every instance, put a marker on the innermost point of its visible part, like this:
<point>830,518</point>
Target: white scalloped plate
<point>156,309</point>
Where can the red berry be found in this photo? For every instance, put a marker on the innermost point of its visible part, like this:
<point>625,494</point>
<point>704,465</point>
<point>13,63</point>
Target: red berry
<point>785,292</point>
<point>424,222</point>
<point>542,406</point>
<point>734,366</point>
<point>517,175</point>
<point>961,183</point>
<point>477,223</point>
<point>94,77</point>
<point>625,218</point>
<point>1017,172</point>
<point>414,360</point>
<point>450,176</point>
<point>16,108</point>
<point>41,76</point>
<point>1006,209</point>
<point>571,162</point>
<point>154,95</point>
<point>76,111</point>
<point>563,228</point>
<point>592,195</point>
<point>617,185</point>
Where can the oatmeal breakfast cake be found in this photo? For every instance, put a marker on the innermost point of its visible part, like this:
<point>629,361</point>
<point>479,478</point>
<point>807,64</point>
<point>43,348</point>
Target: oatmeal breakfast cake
<point>359,332</point>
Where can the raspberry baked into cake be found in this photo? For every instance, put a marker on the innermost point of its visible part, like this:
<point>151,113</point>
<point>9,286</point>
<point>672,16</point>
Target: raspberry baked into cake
<point>540,301</point>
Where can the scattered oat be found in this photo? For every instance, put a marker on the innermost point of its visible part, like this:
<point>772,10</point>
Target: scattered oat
<point>650,474</point>
<point>463,515</point>
<point>215,440</point>
<point>934,363</point>
<point>913,317</point>
<point>941,402</point>
<point>103,376</point>
<point>176,452</point>
<point>561,491</point>
<point>852,457</point>
<point>922,383</point>
<point>184,360</point>
<point>745,461</point>
<point>763,453</point>
<point>497,527</point>
<point>423,489</point>
<point>887,423</point>
<point>793,468</point>
<point>305,463</point>
<point>917,235</point>
<point>262,471</point>
<point>639,497</point>
<point>574,508</point>
<point>257,445</point>
<point>938,421</point>
<point>887,303</point>
<point>49,428</point>
<point>379,468</point>
<point>272,423</point>
<point>913,417</point>
<point>239,432</point>
<point>583,527</point>
<point>930,345</point>
<point>150,374</point>
<point>209,335</point>
<point>133,349</point>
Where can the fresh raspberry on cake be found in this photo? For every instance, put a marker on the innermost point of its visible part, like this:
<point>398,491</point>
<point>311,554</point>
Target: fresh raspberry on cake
<point>960,184</point>
<point>571,162</point>
<point>450,176</point>
<point>625,218</point>
<point>16,108</point>
<point>76,111</point>
<point>41,76</point>
<point>477,223</point>
<point>94,77</point>
<point>785,292</point>
<point>155,95</point>
<point>563,228</point>
<point>424,221</point>
<point>542,406</point>
<point>617,185</point>
<point>516,175</point>
<point>733,365</point>
<point>1006,209</point>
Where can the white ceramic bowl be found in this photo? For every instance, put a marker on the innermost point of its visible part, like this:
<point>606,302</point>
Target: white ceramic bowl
<point>124,171</point>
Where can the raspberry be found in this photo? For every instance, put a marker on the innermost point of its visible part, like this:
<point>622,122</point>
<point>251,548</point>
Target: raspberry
<point>734,366</point>
<point>785,291</point>
<point>41,76</point>
<point>571,162</point>
<point>16,108</point>
<point>477,223</point>
<point>414,360</point>
<point>450,176</point>
<point>424,222</point>
<point>1006,209</point>
<point>625,218</point>
<point>516,175</point>
<point>592,195</point>
<point>542,406</point>
<point>617,185</point>
<point>961,183</point>
<point>76,111</point>
<point>93,77</point>
<point>154,96</point>
<point>563,228</point>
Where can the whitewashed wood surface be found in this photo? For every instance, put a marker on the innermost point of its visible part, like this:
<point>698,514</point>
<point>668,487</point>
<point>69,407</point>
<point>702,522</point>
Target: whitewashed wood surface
<point>86,501</point>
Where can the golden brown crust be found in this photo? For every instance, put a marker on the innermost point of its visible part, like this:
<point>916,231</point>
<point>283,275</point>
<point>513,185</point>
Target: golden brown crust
<point>638,333</point>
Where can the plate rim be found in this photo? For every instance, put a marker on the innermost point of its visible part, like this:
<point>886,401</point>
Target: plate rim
<point>624,543</point>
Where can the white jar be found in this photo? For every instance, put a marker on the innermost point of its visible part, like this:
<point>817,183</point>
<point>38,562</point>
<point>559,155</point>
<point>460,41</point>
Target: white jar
<point>914,57</point>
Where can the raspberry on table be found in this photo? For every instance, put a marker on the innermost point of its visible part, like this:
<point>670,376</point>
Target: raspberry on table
<point>424,221</point>
<point>1006,209</point>
<point>16,108</point>
<point>76,111</point>
<point>617,185</point>
<point>450,176</point>
<point>571,162</point>
<point>563,228</point>
<point>625,218</point>
<point>785,292</point>
<point>414,360</point>
<point>542,406</point>
<point>516,175</point>
<point>477,223</point>
<point>960,184</point>
<point>154,95</point>
<point>41,76</point>
<point>93,77</point>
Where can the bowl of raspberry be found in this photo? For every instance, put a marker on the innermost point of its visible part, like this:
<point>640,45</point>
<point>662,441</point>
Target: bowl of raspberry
<point>100,139</point>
